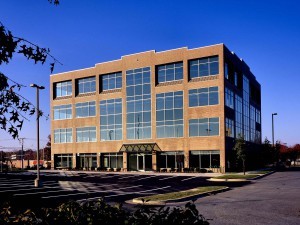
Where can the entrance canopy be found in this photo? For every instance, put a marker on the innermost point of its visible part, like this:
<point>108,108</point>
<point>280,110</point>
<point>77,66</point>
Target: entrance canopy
<point>145,147</point>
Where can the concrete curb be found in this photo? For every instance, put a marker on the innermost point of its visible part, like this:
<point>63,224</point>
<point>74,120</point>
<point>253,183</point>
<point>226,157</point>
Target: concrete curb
<point>188,198</point>
<point>262,175</point>
<point>228,180</point>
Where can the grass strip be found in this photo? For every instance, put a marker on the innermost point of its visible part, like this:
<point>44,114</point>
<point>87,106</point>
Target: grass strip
<point>236,176</point>
<point>181,194</point>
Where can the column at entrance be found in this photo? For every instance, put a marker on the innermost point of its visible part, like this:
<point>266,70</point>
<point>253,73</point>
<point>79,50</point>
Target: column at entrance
<point>186,159</point>
<point>74,160</point>
<point>125,161</point>
<point>98,160</point>
<point>154,161</point>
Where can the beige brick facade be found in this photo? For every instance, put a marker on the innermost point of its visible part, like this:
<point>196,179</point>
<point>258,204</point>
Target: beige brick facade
<point>145,59</point>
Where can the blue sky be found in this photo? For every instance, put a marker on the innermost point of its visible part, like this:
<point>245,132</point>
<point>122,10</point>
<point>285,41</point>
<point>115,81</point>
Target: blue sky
<point>81,33</point>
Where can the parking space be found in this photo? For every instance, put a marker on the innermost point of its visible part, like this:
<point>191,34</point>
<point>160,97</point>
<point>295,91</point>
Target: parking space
<point>116,187</point>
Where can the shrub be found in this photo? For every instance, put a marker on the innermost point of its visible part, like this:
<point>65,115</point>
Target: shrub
<point>99,212</point>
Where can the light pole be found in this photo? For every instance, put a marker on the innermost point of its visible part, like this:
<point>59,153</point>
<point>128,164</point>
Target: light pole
<point>273,114</point>
<point>37,182</point>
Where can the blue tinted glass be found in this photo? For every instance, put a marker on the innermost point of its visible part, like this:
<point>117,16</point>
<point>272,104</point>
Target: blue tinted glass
<point>146,77</point>
<point>138,78</point>
<point>214,68</point>
<point>214,129</point>
<point>104,85</point>
<point>178,73</point>
<point>130,118</point>
<point>160,132</point>
<point>146,89</point>
<point>138,90</point>
<point>203,99</point>
<point>130,91</point>
<point>193,100</point>
<point>129,80</point>
<point>118,108</point>
<point>160,115</point>
<point>203,129</point>
<point>169,115</point>
<point>159,103</point>
<point>169,75</point>
<point>213,98</point>
<point>203,70</point>
<point>178,114</point>
<point>178,102</point>
<point>194,71</point>
<point>169,103</point>
<point>147,105</point>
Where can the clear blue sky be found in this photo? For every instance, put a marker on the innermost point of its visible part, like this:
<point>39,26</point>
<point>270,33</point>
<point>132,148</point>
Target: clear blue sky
<point>80,33</point>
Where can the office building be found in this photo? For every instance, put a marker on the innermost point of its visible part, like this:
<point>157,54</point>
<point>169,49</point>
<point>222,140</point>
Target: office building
<point>181,108</point>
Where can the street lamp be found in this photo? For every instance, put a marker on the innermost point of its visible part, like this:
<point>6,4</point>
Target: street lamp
<point>273,114</point>
<point>37,182</point>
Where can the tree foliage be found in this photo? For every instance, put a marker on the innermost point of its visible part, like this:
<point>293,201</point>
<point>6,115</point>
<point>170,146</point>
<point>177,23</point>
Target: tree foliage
<point>13,106</point>
<point>99,212</point>
<point>240,148</point>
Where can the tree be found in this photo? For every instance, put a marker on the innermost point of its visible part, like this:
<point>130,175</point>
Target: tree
<point>47,149</point>
<point>240,148</point>
<point>13,106</point>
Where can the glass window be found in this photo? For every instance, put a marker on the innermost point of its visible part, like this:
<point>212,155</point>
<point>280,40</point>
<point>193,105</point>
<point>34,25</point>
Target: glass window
<point>86,134</point>
<point>138,90</point>
<point>85,109</point>
<point>111,119</point>
<point>229,96</point>
<point>62,112</point>
<point>63,135</point>
<point>63,89</point>
<point>112,81</point>
<point>169,114</point>
<point>204,67</point>
<point>204,127</point>
<point>86,85</point>
<point>203,96</point>
<point>169,72</point>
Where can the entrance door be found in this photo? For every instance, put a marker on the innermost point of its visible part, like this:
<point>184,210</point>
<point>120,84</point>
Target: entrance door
<point>141,162</point>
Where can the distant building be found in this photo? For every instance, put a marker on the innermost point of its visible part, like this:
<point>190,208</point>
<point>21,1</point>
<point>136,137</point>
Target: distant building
<point>177,109</point>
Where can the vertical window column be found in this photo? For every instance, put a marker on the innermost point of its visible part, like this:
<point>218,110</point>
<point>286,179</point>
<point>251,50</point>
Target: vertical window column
<point>138,91</point>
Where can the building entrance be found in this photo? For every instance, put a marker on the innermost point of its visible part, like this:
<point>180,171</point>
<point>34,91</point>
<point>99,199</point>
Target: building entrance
<point>140,161</point>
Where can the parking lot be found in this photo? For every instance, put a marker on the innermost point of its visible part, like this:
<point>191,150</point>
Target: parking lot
<point>81,186</point>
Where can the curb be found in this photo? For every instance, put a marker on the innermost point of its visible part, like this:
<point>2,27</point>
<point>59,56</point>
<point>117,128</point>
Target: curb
<point>228,180</point>
<point>262,175</point>
<point>188,198</point>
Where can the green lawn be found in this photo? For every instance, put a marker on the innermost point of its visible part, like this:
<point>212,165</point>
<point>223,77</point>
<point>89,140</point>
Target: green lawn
<point>236,176</point>
<point>181,194</point>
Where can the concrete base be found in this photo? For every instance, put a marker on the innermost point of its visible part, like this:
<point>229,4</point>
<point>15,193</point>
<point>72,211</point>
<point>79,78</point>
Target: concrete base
<point>37,183</point>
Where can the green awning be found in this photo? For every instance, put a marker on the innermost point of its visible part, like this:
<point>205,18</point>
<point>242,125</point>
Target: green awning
<point>144,147</point>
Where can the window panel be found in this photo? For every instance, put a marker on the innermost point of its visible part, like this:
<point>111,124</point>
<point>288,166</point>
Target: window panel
<point>204,96</point>
<point>63,88</point>
<point>204,67</point>
<point>169,72</point>
<point>204,127</point>
<point>112,81</point>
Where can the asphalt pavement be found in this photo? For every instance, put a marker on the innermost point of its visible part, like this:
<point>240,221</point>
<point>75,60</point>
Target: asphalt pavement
<point>274,199</point>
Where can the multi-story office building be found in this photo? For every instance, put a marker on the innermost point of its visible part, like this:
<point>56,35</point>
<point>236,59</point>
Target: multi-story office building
<point>180,108</point>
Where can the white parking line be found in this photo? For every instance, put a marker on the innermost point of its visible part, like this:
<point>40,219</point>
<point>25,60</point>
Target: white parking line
<point>56,196</point>
<point>166,178</point>
<point>126,193</point>
<point>189,178</point>
<point>148,177</point>
<point>137,175</point>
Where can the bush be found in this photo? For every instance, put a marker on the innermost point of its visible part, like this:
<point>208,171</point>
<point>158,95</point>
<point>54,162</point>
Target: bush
<point>99,212</point>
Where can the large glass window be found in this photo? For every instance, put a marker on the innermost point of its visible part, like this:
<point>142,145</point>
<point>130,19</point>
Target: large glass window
<point>86,85</point>
<point>169,114</point>
<point>169,72</point>
<point>63,135</point>
<point>111,119</point>
<point>62,112</point>
<point>111,81</point>
<point>85,109</point>
<point>170,159</point>
<point>86,134</point>
<point>204,127</point>
<point>229,127</point>
<point>238,116</point>
<point>87,160</point>
<point>138,90</point>
<point>204,96</point>
<point>252,123</point>
<point>204,67</point>
<point>63,88</point>
<point>205,159</point>
<point>63,161</point>
<point>229,96</point>
<point>112,160</point>
<point>246,112</point>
